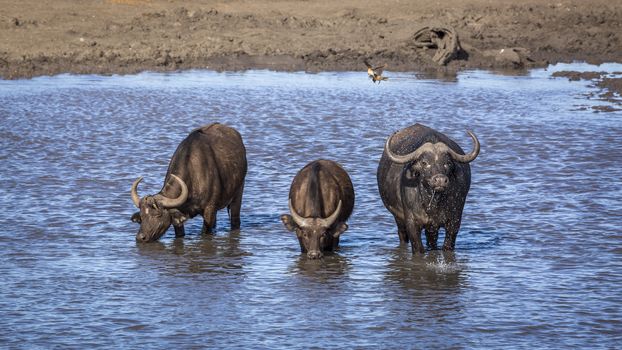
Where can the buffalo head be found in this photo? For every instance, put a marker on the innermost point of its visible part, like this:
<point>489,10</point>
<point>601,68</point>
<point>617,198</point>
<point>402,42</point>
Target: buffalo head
<point>313,232</point>
<point>157,212</point>
<point>432,163</point>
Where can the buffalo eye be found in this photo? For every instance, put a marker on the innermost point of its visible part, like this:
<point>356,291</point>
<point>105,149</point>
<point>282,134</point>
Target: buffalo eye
<point>425,164</point>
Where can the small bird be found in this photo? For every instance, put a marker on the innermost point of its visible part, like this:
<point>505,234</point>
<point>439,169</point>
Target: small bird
<point>375,73</point>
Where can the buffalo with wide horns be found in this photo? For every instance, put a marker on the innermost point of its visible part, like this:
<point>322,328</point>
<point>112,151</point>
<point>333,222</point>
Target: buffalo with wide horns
<point>206,174</point>
<point>424,178</point>
<point>321,199</point>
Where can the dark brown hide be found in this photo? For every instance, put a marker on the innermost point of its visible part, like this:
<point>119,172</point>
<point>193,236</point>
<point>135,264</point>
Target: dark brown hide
<point>211,162</point>
<point>429,191</point>
<point>315,194</point>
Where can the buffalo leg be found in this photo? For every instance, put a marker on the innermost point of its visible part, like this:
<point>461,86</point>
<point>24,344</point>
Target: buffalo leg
<point>451,232</point>
<point>209,219</point>
<point>414,234</point>
<point>234,210</point>
<point>431,237</point>
<point>179,231</point>
<point>401,231</point>
<point>331,242</point>
<point>336,243</point>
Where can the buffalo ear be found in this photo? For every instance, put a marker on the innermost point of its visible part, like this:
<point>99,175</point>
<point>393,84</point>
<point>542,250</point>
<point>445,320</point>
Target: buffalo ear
<point>177,217</point>
<point>341,228</point>
<point>136,217</point>
<point>288,221</point>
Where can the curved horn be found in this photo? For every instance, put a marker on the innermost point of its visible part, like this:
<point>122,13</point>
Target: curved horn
<point>299,220</point>
<point>327,222</point>
<point>134,192</point>
<point>400,159</point>
<point>467,158</point>
<point>166,202</point>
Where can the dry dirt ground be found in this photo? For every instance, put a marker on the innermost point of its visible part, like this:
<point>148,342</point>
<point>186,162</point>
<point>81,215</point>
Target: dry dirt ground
<point>123,36</point>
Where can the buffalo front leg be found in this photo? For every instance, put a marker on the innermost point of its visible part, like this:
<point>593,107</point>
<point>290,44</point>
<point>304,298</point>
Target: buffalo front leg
<point>451,232</point>
<point>414,234</point>
<point>431,237</point>
<point>179,231</point>
<point>401,231</point>
<point>335,243</point>
<point>235,208</point>
<point>178,222</point>
<point>209,219</point>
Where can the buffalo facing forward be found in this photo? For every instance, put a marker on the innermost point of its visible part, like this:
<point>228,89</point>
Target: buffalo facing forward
<point>425,186</point>
<point>206,174</point>
<point>321,199</point>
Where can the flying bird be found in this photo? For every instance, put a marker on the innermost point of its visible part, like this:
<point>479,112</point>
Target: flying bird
<point>375,73</point>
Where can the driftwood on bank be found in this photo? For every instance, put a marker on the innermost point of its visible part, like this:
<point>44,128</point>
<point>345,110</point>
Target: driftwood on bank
<point>443,39</point>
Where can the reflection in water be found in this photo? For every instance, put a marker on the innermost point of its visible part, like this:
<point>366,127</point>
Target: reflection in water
<point>435,271</point>
<point>432,282</point>
<point>204,254</point>
<point>537,263</point>
<point>332,265</point>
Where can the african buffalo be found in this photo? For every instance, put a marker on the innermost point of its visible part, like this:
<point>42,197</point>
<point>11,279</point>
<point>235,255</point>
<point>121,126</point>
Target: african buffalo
<point>426,184</point>
<point>321,199</point>
<point>205,175</point>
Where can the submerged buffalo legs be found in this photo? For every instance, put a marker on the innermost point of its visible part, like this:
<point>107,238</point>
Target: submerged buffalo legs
<point>431,237</point>
<point>209,219</point>
<point>401,231</point>
<point>451,231</point>
<point>414,235</point>
<point>179,230</point>
<point>234,210</point>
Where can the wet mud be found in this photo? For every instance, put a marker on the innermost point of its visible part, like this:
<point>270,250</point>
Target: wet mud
<point>609,87</point>
<point>126,36</point>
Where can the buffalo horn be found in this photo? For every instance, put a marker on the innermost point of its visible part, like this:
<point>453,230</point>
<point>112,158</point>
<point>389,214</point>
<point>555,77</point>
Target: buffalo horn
<point>304,222</point>
<point>134,192</point>
<point>327,222</point>
<point>466,158</point>
<point>299,220</point>
<point>401,159</point>
<point>166,202</point>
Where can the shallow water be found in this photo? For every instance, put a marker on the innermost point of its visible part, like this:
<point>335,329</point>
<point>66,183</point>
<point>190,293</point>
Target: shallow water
<point>538,260</point>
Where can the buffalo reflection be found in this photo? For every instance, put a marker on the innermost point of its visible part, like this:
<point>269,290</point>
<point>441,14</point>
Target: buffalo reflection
<point>332,265</point>
<point>203,254</point>
<point>430,283</point>
<point>435,270</point>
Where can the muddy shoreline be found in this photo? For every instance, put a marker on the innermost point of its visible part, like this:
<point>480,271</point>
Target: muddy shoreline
<point>128,36</point>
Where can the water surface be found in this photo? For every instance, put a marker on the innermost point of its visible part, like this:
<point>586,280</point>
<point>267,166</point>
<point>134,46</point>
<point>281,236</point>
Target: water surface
<point>538,260</point>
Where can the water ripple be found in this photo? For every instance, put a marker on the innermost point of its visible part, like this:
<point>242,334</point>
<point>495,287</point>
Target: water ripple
<point>538,260</point>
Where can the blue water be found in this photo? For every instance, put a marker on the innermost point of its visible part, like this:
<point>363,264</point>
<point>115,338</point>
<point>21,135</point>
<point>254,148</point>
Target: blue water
<point>538,260</point>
